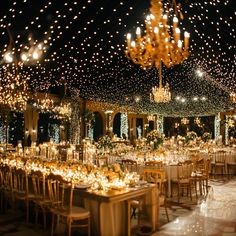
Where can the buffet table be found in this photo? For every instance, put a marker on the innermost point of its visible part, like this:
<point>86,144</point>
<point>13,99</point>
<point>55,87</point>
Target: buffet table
<point>111,211</point>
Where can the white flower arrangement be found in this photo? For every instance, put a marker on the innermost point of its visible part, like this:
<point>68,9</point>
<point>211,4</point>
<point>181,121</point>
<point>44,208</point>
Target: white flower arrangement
<point>105,142</point>
<point>155,138</point>
<point>206,136</point>
<point>190,136</point>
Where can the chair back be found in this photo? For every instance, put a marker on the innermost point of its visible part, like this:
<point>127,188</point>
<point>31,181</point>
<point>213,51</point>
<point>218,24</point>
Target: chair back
<point>184,171</point>
<point>154,164</point>
<point>155,176</point>
<point>219,157</point>
<point>5,178</point>
<point>194,157</point>
<point>60,193</point>
<point>199,165</point>
<point>131,165</point>
<point>38,180</point>
<point>101,160</point>
<point>20,182</point>
<point>207,163</point>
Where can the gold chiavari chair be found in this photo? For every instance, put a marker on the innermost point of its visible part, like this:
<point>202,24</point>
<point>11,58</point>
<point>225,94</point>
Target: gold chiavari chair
<point>205,173</point>
<point>62,205</point>
<point>5,187</point>
<point>231,165</point>
<point>184,179</point>
<point>101,161</point>
<point>197,174</point>
<point>157,177</point>
<point>154,164</point>
<point>131,165</point>
<point>219,158</point>
<point>20,189</point>
<point>41,201</point>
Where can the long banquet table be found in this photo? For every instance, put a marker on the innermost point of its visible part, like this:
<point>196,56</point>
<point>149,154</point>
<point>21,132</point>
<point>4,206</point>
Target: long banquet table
<point>111,211</point>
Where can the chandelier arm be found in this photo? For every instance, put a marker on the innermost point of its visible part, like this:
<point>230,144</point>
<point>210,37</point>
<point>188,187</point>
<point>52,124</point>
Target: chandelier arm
<point>11,41</point>
<point>175,7</point>
<point>160,74</point>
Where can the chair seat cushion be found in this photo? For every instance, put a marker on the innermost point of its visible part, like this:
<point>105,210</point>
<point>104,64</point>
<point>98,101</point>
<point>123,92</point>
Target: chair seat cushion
<point>184,181</point>
<point>181,181</point>
<point>231,163</point>
<point>42,202</point>
<point>135,203</point>
<point>22,195</point>
<point>76,212</point>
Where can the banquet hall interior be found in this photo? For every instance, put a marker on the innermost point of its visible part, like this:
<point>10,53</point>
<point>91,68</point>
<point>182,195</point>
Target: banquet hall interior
<point>117,118</point>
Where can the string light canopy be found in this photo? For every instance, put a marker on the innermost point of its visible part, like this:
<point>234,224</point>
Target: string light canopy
<point>85,46</point>
<point>14,92</point>
<point>161,44</point>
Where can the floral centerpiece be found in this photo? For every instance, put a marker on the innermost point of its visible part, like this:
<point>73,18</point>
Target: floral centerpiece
<point>154,139</point>
<point>206,136</point>
<point>105,142</point>
<point>191,136</point>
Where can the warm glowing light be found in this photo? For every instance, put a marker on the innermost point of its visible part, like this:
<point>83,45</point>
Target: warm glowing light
<point>8,57</point>
<point>23,57</point>
<point>233,97</point>
<point>35,55</point>
<point>184,121</point>
<point>161,94</point>
<point>158,45</point>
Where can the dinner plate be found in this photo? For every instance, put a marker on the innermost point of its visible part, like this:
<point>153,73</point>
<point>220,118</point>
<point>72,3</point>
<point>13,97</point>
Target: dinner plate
<point>82,186</point>
<point>142,182</point>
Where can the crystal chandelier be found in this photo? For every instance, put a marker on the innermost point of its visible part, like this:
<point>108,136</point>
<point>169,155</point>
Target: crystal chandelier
<point>63,110</point>
<point>44,105</point>
<point>185,121</point>
<point>161,44</point>
<point>197,121</point>
<point>151,117</point>
<point>160,94</point>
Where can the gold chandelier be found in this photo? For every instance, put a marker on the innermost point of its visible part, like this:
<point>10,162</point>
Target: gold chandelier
<point>161,44</point>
